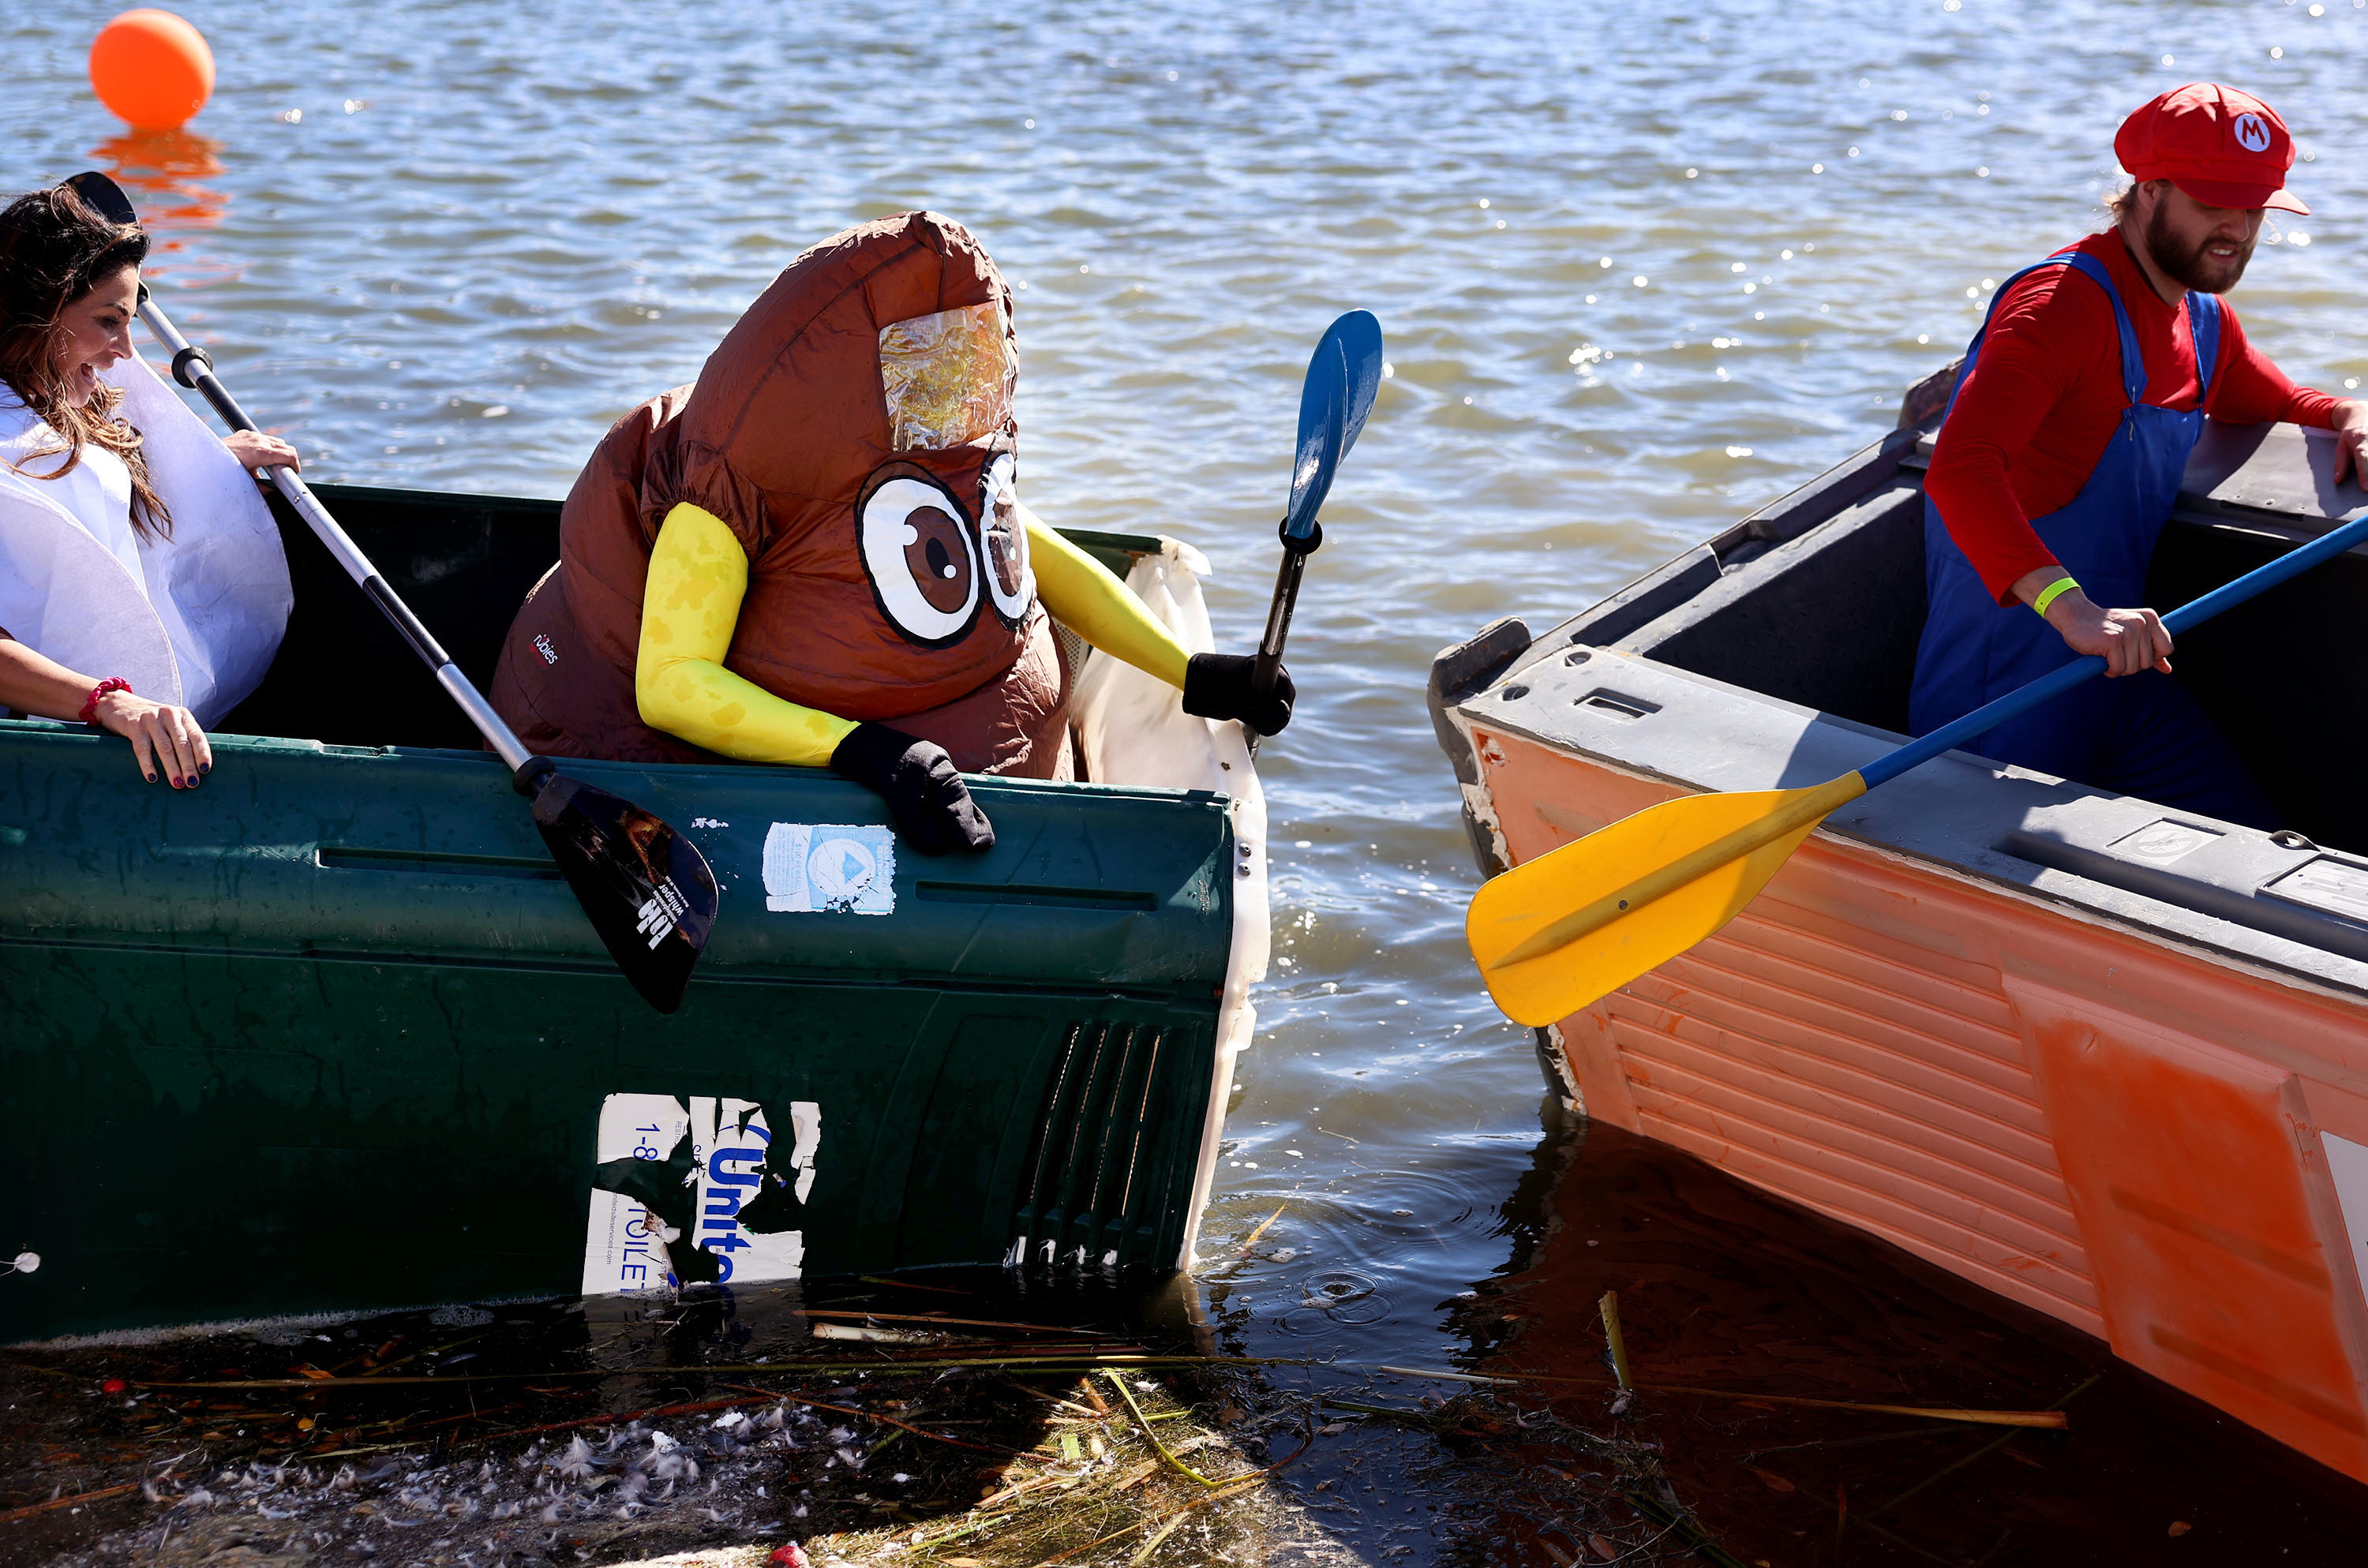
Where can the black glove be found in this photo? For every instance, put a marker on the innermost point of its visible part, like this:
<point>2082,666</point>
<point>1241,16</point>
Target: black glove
<point>931,804</point>
<point>1218,686</point>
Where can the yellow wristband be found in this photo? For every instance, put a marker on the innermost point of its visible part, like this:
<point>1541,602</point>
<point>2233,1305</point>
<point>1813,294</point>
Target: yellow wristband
<point>2050,594</point>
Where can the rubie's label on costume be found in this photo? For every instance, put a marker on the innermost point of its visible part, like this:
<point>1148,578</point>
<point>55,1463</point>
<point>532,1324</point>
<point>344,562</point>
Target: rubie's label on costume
<point>698,1192</point>
<point>830,867</point>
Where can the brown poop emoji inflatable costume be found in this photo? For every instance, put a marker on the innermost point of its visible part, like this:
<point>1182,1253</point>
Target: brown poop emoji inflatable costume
<point>817,554</point>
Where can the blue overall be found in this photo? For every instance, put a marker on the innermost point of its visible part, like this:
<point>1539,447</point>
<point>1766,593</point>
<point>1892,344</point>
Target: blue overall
<point>2139,734</point>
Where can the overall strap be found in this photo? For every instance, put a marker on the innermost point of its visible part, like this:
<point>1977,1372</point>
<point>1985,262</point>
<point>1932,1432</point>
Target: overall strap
<point>2204,326</point>
<point>1974,347</point>
<point>2133,362</point>
<point>2134,376</point>
<point>2060,258</point>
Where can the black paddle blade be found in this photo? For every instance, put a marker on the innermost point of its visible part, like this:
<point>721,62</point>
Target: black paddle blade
<point>646,888</point>
<point>104,197</point>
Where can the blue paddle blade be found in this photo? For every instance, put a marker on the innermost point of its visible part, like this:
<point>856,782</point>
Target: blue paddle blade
<point>1342,378</point>
<point>1359,336</point>
<point>1323,418</point>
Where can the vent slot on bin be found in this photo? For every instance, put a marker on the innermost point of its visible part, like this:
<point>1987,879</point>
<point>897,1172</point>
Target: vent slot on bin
<point>1084,1184</point>
<point>1132,899</point>
<point>431,862</point>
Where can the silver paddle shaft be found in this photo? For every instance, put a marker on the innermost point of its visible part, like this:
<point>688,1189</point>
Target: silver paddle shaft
<point>193,370</point>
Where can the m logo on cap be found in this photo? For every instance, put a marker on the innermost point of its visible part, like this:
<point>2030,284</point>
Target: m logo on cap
<point>2252,134</point>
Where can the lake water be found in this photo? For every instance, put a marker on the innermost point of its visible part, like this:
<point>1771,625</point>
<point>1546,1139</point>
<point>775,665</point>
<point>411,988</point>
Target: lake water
<point>1641,268</point>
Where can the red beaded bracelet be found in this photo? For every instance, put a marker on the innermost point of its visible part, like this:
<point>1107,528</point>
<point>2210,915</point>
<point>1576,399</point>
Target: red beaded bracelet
<point>90,704</point>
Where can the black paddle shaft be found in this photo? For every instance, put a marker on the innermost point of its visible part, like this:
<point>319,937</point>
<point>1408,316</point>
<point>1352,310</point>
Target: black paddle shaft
<point>194,370</point>
<point>1295,552</point>
<point>649,894</point>
<point>648,891</point>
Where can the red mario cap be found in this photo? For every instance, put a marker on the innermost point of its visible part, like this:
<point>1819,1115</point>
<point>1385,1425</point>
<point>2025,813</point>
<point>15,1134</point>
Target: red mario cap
<point>2223,147</point>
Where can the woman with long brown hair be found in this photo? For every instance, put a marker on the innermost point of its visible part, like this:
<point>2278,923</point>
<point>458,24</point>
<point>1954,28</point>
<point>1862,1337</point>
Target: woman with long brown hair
<point>97,575</point>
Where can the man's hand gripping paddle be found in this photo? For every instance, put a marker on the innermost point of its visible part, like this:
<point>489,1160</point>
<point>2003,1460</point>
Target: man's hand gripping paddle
<point>646,888</point>
<point>1333,402</point>
<point>1567,928</point>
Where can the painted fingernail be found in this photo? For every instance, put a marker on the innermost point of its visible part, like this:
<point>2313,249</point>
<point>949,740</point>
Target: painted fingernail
<point>205,768</point>
<point>152,778</point>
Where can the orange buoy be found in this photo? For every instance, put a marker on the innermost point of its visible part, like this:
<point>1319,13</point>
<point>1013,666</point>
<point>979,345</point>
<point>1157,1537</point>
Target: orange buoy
<point>153,69</point>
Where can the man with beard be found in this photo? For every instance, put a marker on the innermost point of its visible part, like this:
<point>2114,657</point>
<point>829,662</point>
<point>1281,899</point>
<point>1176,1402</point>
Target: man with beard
<point>2061,455</point>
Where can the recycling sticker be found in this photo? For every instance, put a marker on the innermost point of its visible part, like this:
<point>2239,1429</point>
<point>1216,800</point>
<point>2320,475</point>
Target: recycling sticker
<point>830,869</point>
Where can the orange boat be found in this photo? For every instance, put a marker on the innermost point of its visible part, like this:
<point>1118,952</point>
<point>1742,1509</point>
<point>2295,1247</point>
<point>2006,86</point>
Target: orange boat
<point>2103,1057</point>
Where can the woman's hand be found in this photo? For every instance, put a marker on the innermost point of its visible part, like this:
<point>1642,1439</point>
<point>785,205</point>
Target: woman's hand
<point>161,736</point>
<point>254,449</point>
<point>166,740</point>
<point>2130,640</point>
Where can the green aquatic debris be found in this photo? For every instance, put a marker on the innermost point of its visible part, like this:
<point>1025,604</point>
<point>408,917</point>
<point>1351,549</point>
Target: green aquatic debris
<point>1103,1489</point>
<point>1173,1463</point>
<point>1124,1458</point>
<point>1062,1362</point>
<point>1613,1339</point>
<point>2052,1418</point>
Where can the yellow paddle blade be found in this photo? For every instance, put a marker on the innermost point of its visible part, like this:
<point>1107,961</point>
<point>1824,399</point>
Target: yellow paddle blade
<point>1571,927</point>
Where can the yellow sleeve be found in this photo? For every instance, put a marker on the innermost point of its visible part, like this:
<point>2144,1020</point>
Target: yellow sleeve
<point>1083,596</point>
<point>698,576</point>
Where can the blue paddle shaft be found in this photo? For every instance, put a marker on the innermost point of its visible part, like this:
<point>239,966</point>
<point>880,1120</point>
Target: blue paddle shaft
<point>2194,613</point>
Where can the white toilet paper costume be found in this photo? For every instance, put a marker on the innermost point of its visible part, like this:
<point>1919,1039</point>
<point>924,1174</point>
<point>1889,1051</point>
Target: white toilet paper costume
<point>192,619</point>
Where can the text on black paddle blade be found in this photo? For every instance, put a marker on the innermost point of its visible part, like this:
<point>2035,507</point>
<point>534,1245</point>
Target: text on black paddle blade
<point>646,888</point>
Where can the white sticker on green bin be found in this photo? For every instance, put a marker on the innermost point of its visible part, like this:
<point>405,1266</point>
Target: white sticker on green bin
<point>696,1191</point>
<point>830,869</point>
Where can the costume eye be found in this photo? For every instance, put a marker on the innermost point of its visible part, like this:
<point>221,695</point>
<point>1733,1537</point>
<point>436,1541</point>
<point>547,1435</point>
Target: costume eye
<point>919,554</point>
<point>1003,543</point>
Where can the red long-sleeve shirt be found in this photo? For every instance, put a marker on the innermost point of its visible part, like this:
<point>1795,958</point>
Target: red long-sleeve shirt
<point>2045,396</point>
